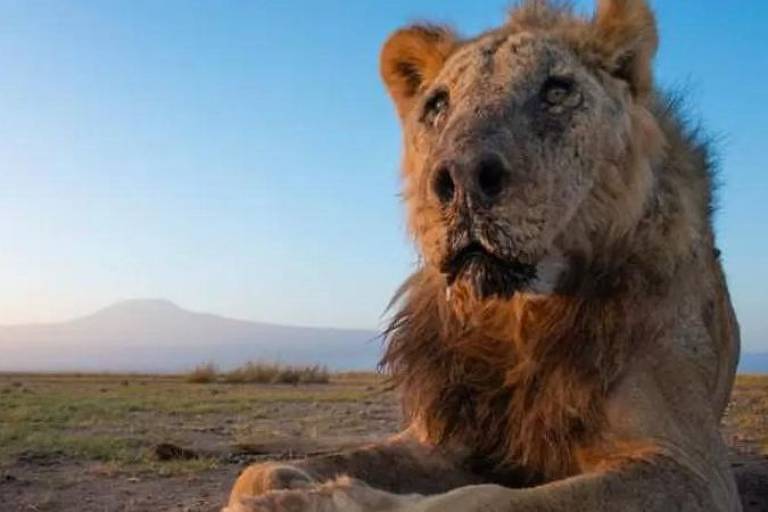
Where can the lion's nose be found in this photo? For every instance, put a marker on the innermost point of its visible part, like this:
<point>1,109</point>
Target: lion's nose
<point>443,184</point>
<point>483,178</point>
<point>490,176</point>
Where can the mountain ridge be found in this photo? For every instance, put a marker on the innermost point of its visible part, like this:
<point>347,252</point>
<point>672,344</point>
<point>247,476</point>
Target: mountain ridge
<point>158,335</point>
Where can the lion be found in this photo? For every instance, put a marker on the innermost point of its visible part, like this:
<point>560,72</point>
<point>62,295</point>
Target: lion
<point>568,341</point>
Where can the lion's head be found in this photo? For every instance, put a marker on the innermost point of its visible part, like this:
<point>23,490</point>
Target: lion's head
<point>560,200</point>
<point>528,150</point>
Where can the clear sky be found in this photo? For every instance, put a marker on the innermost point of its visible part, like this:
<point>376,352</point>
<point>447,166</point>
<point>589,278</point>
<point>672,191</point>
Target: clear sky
<point>241,157</point>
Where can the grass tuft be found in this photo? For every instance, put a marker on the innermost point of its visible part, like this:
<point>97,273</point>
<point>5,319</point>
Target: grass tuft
<point>260,373</point>
<point>203,374</point>
<point>272,373</point>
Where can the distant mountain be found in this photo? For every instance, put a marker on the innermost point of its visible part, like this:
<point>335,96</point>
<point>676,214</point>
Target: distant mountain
<point>158,336</point>
<point>754,363</point>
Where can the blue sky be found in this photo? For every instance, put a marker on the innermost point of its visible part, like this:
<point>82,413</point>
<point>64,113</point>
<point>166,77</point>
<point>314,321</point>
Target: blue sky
<point>241,157</point>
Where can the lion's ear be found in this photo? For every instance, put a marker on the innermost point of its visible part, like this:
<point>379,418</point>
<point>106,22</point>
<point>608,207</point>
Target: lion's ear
<point>411,58</point>
<point>627,38</point>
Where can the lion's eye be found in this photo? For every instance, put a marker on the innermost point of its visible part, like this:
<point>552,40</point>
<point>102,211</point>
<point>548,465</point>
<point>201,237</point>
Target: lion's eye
<point>560,93</point>
<point>435,106</point>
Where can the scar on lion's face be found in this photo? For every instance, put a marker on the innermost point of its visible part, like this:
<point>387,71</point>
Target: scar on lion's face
<point>520,146</point>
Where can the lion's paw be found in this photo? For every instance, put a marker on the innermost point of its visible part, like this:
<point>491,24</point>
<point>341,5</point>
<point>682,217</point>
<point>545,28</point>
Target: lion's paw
<point>340,495</point>
<point>259,479</point>
<point>278,501</point>
<point>320,498</point>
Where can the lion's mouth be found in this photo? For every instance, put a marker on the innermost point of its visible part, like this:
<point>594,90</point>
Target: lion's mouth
<point>489,274</point>
<point>455,264</point>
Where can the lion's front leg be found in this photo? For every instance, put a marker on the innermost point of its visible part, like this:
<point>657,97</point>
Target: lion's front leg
<point>657,484</point>
<point>400,465</point>
<point>652,484</point>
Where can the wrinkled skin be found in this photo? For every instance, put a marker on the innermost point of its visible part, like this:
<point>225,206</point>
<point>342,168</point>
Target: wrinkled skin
<point>548,156</point>
<point>568,343</point>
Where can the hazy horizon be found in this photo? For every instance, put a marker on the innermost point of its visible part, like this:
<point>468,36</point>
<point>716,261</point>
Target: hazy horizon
<point>158,336</point>
<point>154,336</point>
<point>243,161</point>
<point>163,301</point>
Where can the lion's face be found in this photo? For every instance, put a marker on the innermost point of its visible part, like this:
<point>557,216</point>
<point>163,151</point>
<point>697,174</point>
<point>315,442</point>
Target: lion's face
<point>521,156</point>
<point>504,148</point>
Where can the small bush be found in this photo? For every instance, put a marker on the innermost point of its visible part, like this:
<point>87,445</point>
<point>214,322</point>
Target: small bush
<point>261,373</point>
<point>253,372</point>
<point>314,375</point>
<point>272,373</point>
<point>203,374</point>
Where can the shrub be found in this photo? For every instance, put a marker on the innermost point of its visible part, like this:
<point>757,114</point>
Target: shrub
<point>203,374</point>
<point>253,372</point>
<point>272,373</point>
<point>314,375</point>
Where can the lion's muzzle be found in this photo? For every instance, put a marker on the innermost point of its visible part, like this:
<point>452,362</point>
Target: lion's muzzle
<point>488,274</point>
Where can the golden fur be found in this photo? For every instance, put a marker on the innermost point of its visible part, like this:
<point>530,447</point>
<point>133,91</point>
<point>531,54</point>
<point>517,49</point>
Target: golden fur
<point>529,391</point>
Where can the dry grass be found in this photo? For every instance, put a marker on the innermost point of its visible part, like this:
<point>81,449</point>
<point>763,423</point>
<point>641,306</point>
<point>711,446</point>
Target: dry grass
<point>116,420</point>
<point>261,373</point>
<point>746,422</point>
<point>203,374</point>
<point>91,440</point>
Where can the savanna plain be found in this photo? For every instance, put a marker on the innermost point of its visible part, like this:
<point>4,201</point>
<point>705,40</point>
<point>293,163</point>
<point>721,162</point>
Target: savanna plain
<point>129,443</point>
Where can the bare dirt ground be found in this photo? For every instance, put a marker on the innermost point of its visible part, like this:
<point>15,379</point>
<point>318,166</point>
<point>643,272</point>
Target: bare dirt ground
<point>95,443</point>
